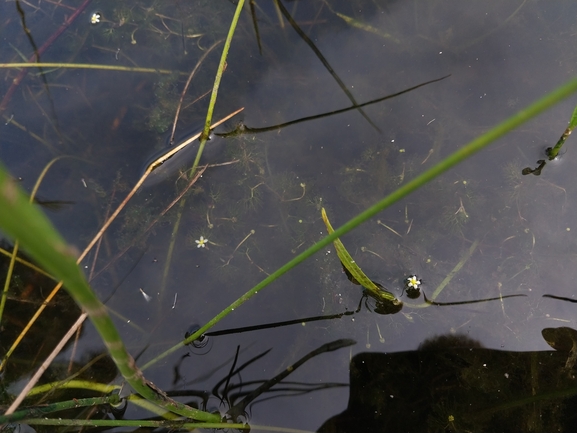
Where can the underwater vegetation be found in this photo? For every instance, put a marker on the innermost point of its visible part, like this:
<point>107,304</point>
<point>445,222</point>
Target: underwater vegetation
<point>451,270</point>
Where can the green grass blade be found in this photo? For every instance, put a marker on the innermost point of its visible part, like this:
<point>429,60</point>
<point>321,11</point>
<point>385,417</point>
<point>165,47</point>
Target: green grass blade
<point>216,85</point>
<point>460,155</point>
<point>23,221</point>
<point>573,121</point>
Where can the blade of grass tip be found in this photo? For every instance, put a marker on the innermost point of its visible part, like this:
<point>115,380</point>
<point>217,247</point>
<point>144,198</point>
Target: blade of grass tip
<point>460,155</point>
<point>573,121</point>
<point>215,87</point>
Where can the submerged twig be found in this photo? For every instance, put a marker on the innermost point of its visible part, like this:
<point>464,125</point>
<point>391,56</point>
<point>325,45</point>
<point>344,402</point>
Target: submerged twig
<point>475,301</point>
<point>26,66</point>
<point>324,61</point>
<point>243,129</point>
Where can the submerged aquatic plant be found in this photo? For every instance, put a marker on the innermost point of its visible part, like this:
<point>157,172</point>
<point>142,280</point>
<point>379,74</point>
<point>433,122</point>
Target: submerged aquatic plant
<point>26,223</point>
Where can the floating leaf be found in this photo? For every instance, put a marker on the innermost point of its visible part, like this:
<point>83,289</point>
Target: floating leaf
<point>355,273</point>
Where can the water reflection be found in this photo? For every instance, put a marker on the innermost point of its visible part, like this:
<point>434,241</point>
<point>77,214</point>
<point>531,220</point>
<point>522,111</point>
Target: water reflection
<point>264,210</point>
<point>451,383</point>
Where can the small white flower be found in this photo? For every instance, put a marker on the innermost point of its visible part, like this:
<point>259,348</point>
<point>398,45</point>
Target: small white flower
<point>413,282</point>
<point>201,242</point>
<point>95,18</point>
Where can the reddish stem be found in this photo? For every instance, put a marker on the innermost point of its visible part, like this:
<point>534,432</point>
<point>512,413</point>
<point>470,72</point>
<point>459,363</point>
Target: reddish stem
<point>16,82</point>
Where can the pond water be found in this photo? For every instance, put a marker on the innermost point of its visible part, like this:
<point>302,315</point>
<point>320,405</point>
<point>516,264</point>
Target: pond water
<point>482,230</point>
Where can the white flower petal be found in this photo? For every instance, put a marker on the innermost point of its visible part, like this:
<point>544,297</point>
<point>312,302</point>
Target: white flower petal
<point>201,242</point>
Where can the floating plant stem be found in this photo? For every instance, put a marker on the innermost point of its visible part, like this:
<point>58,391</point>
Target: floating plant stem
<point>221,66</point>
<point>25,66</point>
<point>244,129</point>
<point>552,152</point>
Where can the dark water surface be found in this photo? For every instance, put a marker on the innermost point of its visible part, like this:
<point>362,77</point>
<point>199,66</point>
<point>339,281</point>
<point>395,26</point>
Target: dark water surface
<point>488,366</point>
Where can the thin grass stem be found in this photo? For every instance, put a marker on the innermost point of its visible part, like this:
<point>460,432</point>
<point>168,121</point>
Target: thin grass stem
<point>455,158</point>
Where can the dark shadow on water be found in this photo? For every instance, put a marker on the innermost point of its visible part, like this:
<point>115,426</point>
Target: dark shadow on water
<point>453,384</point>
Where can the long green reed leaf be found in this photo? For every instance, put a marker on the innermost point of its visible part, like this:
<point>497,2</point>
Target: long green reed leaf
<point>460,155</point>
<point>216,85</point>
<point>23,221</point>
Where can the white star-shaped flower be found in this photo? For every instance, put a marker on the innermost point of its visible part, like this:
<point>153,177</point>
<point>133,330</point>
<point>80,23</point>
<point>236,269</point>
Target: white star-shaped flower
<point>95,18</point>
<point>200,243</point>
<point>413,282</point>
